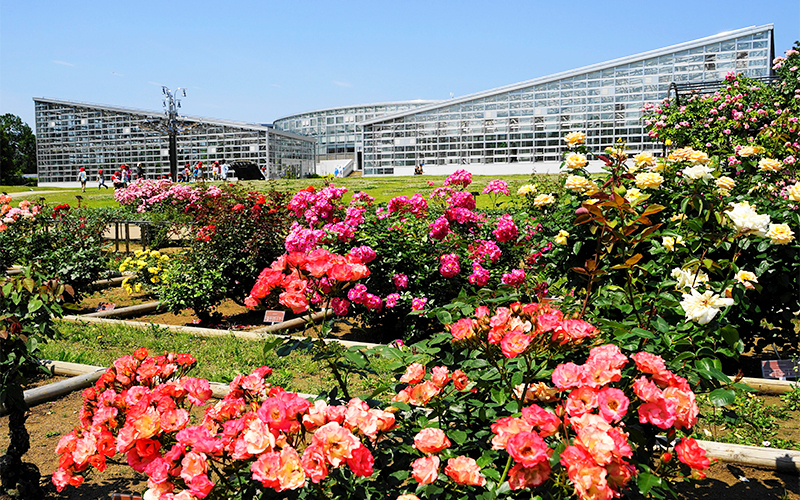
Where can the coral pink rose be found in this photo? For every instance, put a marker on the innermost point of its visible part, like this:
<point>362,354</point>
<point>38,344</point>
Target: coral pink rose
<point>527,448</point>
<point>464,470</point>
<point>613,404</point>
<point>425,470</point>
<point>690,453</point>
<point>414,374</point>
<point>431,440</point>
<point>528,477</point>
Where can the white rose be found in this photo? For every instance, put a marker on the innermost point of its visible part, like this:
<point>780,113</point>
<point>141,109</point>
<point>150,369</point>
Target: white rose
<point>703,307</point>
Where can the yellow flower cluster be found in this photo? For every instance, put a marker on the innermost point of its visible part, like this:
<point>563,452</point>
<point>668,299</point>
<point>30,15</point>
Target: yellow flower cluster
<point>688,154</point>
<point>544,200</point>
<point>526,189</point>
<point>575,139</point>
<point>581,184</point>
<point>769,165</point>
<point>651,180</point>
<point>145,265</point>
<point>794,192</point>
<point>746,151</point>
<point>575,160</point>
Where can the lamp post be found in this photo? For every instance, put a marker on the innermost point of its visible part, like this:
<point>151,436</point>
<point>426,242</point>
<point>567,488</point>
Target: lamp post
<point>171,104</point>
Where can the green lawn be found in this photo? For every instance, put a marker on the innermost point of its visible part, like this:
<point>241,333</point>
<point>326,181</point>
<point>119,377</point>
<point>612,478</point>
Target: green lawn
<point>382,188</point>
<point>220,359</point>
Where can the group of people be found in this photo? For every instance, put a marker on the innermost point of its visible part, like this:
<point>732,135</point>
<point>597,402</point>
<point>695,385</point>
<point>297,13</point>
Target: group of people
<point>120,178</point>
<point>219,172</point>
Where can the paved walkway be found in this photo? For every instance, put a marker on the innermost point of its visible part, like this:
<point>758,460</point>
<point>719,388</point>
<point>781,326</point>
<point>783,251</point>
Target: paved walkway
<point>20,194</point>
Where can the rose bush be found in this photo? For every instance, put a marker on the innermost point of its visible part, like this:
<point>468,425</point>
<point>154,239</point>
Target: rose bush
<point>520,410</point>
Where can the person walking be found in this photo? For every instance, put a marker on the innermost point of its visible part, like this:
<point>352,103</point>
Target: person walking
<point>102,178</point>
<point>139,171</point>
<point>82,178</point>
<point>215,171</point>
<point>224,170</point>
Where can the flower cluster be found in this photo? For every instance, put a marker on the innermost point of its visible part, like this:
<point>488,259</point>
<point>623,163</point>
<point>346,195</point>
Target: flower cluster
<point>420,391</point>
<point>460,178</point>
<point>309,277</point>
<point>519,328</point>
<point>138,408</point>
<point>143,270</point>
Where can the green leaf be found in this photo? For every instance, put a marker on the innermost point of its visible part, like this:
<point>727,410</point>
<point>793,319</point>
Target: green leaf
<point>458,436</point>
<point>722,396</point>
<point>444,317</point>
<point>647,481</point>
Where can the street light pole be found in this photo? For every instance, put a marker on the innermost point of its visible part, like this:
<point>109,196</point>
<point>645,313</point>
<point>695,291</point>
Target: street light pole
<point>171,105</point>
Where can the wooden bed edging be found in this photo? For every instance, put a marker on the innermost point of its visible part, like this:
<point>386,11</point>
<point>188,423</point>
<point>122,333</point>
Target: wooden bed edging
<point>126,312</point>
<point>769,386</point>
<point>754,456</point>
<point>206,332</point>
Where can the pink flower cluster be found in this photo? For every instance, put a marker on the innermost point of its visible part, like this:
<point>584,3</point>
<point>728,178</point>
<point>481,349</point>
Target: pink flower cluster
<point>485,249</point>
<point>420,391</point>
<point>462,469</point>
<point>448,265</point>
<point>480,276</point>
<point>506,229</point>
<point>439,229</point>
<point>136,408</point>
<point>460,178</point>
<point>400,281</point>
<point>515,278</point>
<point>416,205</point>
<point>496,186</point>
<point>595,459</point>
<point>148,193</point>
<point>316,206</point>
<point>518,327</point>
<point>359,295</point>
<point>306,277</point>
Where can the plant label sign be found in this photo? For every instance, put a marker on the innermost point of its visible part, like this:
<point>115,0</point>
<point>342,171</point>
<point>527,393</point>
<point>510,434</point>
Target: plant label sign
<point>779,368</point>
<point>273,317</point>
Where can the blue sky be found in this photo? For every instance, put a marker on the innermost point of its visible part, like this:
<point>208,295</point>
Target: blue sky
<point>256,61</point>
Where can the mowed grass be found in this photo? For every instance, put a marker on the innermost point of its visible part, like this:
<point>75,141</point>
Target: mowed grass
<point>220,359</point>
<point>381,188</point>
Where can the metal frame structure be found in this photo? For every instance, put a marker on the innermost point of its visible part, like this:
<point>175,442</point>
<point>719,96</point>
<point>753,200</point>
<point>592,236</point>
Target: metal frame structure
<point>71,135</point>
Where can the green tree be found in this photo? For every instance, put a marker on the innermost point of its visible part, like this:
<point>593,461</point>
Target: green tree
<point>17,149</point>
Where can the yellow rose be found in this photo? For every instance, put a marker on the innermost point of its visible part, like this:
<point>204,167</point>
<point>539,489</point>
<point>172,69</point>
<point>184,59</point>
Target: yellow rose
<point>543,200</point>
<point>746,278</point>
<point>725,183</point>
<point>769,165</point>
<point>643,160</point>
<point>575,139</point>
<point>669,242</point>
<point>122,268</point>
<point>794,192</point>
<point>681,154</point>
<point>526,190</point>
<point>137,287</point>
<point>633,195</point>
<point>152,270</point>
<point>698,157</point>
<point>780,234</point>
<point>579,184</point>
<point>650,180</point>
<point>155,253</point>
<point>746,151</point>
<point>575,160</point>
<point>561,237</point>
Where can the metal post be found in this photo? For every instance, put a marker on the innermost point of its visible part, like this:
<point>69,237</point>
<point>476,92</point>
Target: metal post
<point>116,236</point>
<point>127,237</point>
